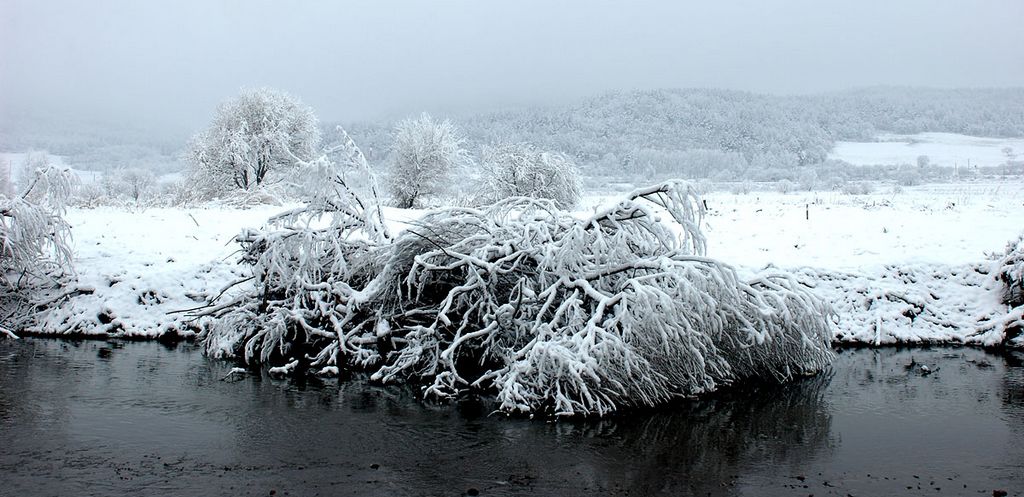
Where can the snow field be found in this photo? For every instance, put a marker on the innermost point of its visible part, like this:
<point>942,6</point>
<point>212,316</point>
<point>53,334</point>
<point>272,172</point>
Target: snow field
<point>142,265</point>
<point>942,149</point>
<point>911,267</point>
<point>908,267</point>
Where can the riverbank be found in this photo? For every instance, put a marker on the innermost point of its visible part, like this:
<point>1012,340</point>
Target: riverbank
<point>909,267</point>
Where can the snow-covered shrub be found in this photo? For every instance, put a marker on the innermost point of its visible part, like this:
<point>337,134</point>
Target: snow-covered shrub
<point>549,313</point>
<point>808,179</point>
<point>131,185</point>
<point>785,186</point>
<point>425,154</point>
<point>89,195</point>
<point>523,170</point>
<point>857,188</point>
<point>741,188</point>
<point>261,133</point>
<point>35,247</point>
<point>909,177</point>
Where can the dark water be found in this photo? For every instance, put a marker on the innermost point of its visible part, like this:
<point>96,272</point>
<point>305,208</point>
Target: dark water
<point>95,418</point>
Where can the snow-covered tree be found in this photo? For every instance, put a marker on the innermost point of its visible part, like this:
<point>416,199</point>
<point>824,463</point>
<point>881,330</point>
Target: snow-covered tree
<point>523,170</point>
<point>35,160</point>
<point>425,154</point>
<point>259,133</point>
<point>130,184</point>
<point>35,246</point>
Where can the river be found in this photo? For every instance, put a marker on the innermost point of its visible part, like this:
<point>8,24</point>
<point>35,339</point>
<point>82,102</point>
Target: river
<point>84,418</point>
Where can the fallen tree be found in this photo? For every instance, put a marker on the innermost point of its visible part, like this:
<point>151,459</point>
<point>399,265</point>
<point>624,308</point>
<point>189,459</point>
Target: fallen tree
<point>550,313</point>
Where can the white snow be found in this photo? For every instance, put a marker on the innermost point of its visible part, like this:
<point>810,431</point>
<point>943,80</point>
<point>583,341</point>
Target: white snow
<point>933,224</point>
<point>910,267</point>
<point>898,267</point>
<point>942,149</point>
<point>145,264</point>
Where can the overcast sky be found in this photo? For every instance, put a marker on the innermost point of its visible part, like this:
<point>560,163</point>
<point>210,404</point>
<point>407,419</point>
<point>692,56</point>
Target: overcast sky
<point>171,62</point>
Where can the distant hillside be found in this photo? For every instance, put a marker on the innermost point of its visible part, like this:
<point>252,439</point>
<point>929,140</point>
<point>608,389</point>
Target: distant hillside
<point>693,133</point>
<point>708,133</point>
<point>93,145</point>
<point>864,113</point>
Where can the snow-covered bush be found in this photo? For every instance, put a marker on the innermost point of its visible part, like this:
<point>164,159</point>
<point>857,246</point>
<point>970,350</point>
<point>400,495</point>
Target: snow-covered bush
<point>261,133</point>
<point>549,313</point>
<point>89,195</point>
<point>808,179</point>
<point>35,240</point>
<point>425,154</point>
<point>523,170</point>
<point>741,188</point>
<point>132,185</point>
<point>785,186</point>
<point>908,177</point>
<point>857,188</point>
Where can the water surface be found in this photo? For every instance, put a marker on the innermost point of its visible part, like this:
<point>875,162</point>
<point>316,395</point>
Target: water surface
<point>97,418</point>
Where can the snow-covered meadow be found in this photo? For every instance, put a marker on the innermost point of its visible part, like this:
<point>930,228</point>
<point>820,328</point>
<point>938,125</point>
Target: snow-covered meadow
<point>907,267</point>
<point>942,149</point>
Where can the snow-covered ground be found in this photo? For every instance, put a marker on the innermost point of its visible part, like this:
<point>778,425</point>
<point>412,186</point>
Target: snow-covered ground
<point>142,265</point>
<point>943,149</point>
<point>910,267</point>
<point>905,267</point>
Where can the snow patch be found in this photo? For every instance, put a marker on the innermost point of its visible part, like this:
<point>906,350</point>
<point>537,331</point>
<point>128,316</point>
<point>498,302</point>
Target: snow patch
<point>942,149</point>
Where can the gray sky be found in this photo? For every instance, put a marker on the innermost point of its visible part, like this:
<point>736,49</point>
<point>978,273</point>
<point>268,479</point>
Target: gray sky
<point>170,62</point>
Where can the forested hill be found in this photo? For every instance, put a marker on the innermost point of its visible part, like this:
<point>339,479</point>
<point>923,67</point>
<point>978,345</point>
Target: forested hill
<point>729,131</point>
<point>619,128</point>
<point>862,114</point>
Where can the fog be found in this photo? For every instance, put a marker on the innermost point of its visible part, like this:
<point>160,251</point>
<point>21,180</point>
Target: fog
<point>169,64</point>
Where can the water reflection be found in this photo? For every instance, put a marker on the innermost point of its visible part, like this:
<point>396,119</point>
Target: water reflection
<point>141,419</point>
<point>1012,391</point>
